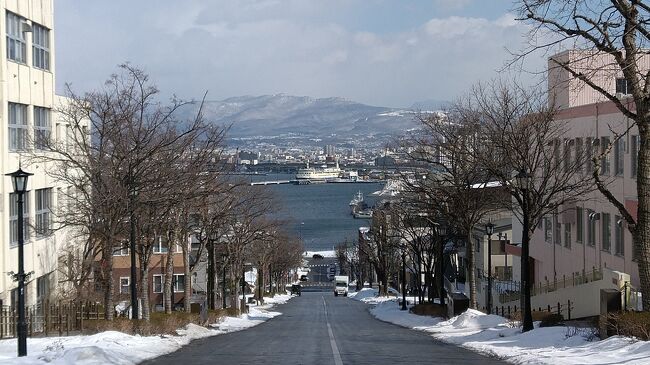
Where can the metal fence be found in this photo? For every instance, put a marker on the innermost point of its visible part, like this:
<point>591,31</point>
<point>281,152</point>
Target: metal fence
<point>46,318</point>
<point>510,291</point>
<point>514,312</point>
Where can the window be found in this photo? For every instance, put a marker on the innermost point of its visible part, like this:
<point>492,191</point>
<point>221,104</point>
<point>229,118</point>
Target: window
<point>619,154</point>
<point>569,158</point>
<point>591,230</point>
<point>622,86</point>
<point>556,153</point>
<point>567,235</point>
<point>590,143</point>
<point>40,47</point>
<point>604,160</point>
<point>122,250</point>
<point>43,287</point>
<point>13,218</point>
<point>157,283</point>
<point>179,283</point>
<point>606,230</point>
<point>17,126</point>
<point>580,158</point>
<point>619,248</point>
<point>43,209</point>
<point>548,230</point>
<point>558,230</point>
<point>580,219</point>
<point>16,44</point>
<point>634,155</point>
<point>42,129</point>
<point>125,285</point>
<point>160,246</point>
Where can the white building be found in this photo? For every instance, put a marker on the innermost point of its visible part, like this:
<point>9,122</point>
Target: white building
<point>27,100</point>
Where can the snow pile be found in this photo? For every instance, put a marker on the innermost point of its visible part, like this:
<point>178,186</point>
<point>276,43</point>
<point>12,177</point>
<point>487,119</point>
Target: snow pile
<point>494,336</point>
<point>326,253</point>
<point>371,296</point>
<point>113,347</point>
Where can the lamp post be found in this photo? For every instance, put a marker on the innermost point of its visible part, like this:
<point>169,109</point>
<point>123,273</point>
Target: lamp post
<point>224,257</point>
<point>489,229</point>
<point>211,276</point>
<point>524,182</point>
<point>441,231</point>
<point>404,280</point>
<point>19,180</point>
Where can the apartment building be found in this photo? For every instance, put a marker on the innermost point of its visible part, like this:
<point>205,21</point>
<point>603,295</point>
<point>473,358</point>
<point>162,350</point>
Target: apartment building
<point>27,100</point>
<point>590,233</point>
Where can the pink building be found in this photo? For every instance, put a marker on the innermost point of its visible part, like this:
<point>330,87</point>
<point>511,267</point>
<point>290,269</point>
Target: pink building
<point>590,234</point>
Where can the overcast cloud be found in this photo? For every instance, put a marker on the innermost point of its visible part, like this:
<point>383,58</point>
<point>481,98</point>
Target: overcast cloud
<point>380,52</point>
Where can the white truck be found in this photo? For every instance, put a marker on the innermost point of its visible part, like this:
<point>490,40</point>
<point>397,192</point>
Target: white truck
<point>341,285</point>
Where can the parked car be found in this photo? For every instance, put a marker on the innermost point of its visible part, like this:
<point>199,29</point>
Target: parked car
<point>317,256</point>
<point>295,289</point>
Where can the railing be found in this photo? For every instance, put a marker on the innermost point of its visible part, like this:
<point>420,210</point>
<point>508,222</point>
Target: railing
<point>513,312</point>
<point>510,291</point>
<point>45,318</point>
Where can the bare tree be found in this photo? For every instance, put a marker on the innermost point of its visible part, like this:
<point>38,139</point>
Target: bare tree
<point>616,38</point>
<point>521,137</point>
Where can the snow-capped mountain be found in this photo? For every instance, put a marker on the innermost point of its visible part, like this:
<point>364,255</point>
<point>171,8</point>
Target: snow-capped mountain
<point>278,114</point>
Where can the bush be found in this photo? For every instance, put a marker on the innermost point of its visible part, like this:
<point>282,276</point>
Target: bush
<point>429,309</point>
<point>158,324</point>
<point>630,324</point>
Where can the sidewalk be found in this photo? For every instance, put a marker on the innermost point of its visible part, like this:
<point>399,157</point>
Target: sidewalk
<point>495,336</point>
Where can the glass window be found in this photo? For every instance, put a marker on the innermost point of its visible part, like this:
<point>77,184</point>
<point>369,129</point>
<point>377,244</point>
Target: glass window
<point>591,229</point>
<point>122,250</point>
<point>157,283</point>
<point>17,126</point>
<point>42,287</point>
<point>604,160</point>
<point>160,246</point>
<point>606,231</point>
<point>567,235</point>
<point>580,157</point>
<point>634,155</point>
<point>619,155</point>
<point>179,283</point>
<point>548,230</point>
<point>580,219</point>
<point>558,230</point>
<point>125,285</point>
<point>16,44</point>
<point>590,145</point>
<point>619,237</point>
<point>40,46</point>
<point>622,86</point>
<point>13,218</point>
<point>43,211</point>
<point>42,127</point>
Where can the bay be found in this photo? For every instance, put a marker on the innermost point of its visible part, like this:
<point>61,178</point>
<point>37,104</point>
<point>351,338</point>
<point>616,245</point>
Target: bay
<point>320,213</point>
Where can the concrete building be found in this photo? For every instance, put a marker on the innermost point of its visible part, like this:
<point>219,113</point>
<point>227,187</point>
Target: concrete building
<point>27,100</point>
<point>589,234</point>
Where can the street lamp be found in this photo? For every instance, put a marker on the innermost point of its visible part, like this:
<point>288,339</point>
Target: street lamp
<point>19,179</point>
<point>441,231</point>
<point>489,229</point>
<point>524,182</point>
<point>224,258</point>
<point>404,280</point>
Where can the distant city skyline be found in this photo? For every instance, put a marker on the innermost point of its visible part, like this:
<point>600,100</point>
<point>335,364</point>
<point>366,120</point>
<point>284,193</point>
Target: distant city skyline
<point>377,52</point>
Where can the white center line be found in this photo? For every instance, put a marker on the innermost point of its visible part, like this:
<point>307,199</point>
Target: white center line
<point>335,349</point>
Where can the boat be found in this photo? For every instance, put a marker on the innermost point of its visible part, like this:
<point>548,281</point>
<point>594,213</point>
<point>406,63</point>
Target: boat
<point>319,173</point>
<point>358,198</point>
<point>363,214</point>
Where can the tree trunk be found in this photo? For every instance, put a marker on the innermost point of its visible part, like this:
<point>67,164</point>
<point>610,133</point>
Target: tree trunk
<point>471,270</point>
<point>144,286</point>
<point>642,236</point>
<point>182,238</point>
<point>109,309</point>
<point>169,277</point>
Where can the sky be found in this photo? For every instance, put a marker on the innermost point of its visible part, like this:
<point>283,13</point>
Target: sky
<point>379,52</point>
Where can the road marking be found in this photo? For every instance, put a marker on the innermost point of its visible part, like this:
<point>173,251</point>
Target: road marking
<point>335,349</point>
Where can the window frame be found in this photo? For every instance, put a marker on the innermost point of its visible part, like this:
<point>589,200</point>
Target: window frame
<point>153,283</point>
<point>18,127</point>
<point>619,157</point>
<point>175,283</point>
<point>619,236</point>
<point>580,226</point>
<point>42,127</point>
<point>40,50</point>
<point>605,158</point>
<point>127,286</point>
<point>43,212</point>
<point>606,231</point>
<point>16,42</point>
<point>13,219</point>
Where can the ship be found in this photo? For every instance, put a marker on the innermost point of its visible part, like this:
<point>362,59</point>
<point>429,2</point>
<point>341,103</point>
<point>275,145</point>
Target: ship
<point>358,198</point>
<point>319,173</point>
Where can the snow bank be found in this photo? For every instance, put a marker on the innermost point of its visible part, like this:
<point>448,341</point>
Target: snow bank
<point>327,253</point>
<point>494,336</point>
<point>113,347</point>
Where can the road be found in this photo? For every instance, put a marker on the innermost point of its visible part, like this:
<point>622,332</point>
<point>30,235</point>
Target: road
<point>318,328</point>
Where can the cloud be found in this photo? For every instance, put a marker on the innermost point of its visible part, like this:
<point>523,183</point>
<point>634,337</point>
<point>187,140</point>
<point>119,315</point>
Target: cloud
<point>301,47</point>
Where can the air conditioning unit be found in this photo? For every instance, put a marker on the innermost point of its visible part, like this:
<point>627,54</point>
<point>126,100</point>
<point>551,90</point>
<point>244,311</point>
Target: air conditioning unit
<point>25,27</point>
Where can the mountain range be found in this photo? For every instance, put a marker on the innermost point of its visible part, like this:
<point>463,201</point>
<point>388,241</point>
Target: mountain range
<point>272,115</point>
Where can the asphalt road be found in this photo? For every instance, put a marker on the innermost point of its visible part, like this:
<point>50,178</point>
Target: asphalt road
<point>318,328</point>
